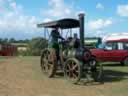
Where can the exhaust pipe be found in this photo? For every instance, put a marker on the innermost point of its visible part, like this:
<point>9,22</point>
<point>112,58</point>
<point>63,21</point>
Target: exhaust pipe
<point>81,22</point>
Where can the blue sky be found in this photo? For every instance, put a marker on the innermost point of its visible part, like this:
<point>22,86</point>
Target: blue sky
<point>18,18</point>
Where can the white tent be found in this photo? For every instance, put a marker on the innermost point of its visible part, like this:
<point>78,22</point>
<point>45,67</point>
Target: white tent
<point>115,36</point>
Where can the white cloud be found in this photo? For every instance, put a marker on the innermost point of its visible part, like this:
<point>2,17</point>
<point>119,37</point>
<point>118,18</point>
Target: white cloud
<point>122,10</point>
<point>13,20</point>
<point>60,9</point>
<point>99,24</point>
<point>47,20</point>
<point>99,6</point>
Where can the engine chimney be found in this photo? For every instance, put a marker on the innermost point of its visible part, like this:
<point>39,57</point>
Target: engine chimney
<point>81,21</point>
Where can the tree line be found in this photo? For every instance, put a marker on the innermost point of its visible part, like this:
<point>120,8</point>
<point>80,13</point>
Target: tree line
<point>34,46</point>
<point>6,41</point>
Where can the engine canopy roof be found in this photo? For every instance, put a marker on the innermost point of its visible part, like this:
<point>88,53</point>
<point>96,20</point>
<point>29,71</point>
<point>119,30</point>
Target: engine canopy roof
<point>62,24</point>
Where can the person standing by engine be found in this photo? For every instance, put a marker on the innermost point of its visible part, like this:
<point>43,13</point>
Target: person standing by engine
<point>55,35</point>
<point>76,41</point>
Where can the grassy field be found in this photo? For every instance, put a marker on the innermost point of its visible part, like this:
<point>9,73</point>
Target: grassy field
<point>22,76</point>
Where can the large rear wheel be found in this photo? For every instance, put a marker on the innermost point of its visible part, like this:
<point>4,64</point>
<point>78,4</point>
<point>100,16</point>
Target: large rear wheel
<point>48,62</point>
<point>72,70</point>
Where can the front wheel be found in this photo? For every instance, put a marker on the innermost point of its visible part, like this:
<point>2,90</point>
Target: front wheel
<point>48,62</point>
<point>125,62</point>
<point>96,70</point>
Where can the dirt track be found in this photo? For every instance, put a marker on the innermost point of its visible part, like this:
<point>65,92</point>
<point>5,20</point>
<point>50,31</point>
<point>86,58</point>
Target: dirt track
<point>21,76</point>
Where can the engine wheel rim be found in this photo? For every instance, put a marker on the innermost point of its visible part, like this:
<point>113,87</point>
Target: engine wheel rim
<point>72,70</point>
<point>48,62</point>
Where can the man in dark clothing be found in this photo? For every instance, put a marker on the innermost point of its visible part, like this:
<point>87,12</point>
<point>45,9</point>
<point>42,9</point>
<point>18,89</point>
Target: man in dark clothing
<point>55,35</point>
<point>76,41</point>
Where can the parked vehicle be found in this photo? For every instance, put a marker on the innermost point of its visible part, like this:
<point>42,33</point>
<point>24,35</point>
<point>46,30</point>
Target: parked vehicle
<point>113,50</point>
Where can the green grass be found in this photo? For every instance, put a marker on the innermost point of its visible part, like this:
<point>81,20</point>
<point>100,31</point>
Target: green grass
<point>115,72</point>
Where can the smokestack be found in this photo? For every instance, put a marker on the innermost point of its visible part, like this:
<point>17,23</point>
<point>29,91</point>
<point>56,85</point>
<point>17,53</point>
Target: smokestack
<point>81,21</point>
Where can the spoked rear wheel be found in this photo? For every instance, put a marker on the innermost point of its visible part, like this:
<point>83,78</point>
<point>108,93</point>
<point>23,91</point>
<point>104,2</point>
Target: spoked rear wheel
<point>72,70</point>
<point>48,62</point>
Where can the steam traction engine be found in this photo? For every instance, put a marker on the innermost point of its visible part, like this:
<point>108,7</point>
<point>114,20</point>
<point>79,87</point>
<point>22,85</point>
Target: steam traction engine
<point>74,59</point>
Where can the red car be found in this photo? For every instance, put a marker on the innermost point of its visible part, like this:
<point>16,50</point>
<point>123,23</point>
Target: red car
<point>114,50</point>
